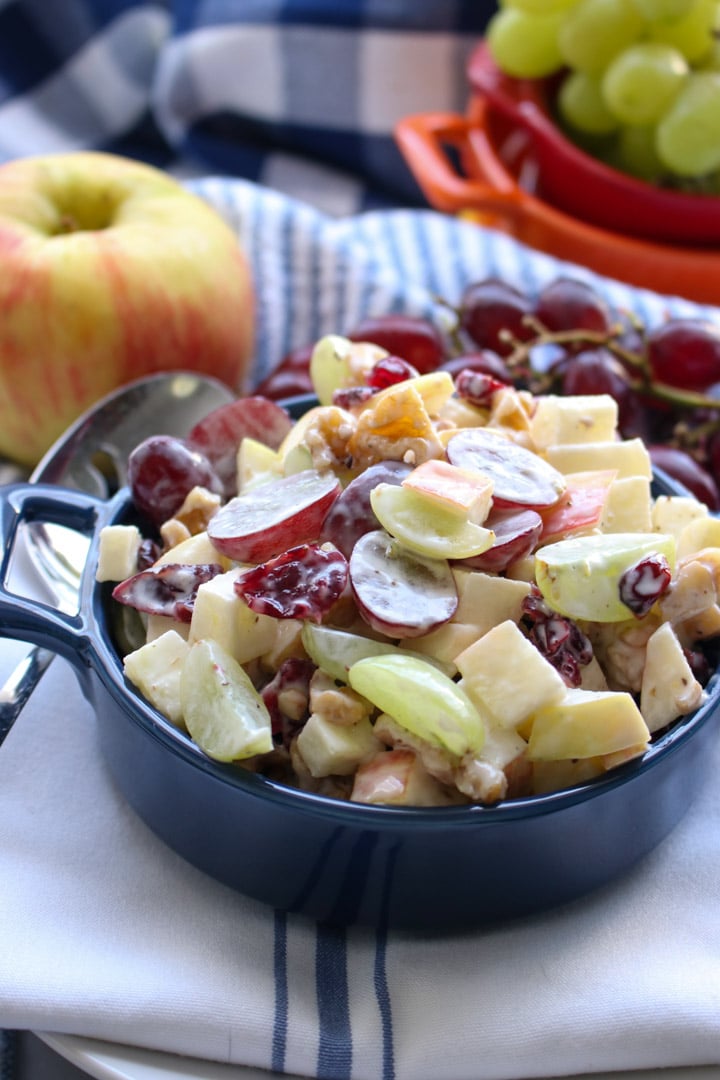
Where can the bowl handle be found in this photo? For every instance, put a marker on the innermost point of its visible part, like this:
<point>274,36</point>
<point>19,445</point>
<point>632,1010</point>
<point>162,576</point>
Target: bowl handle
<point>426,141</point>
<point>32,620</point>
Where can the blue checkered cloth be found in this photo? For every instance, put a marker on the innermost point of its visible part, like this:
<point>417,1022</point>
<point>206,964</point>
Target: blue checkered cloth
<point>298,95</point>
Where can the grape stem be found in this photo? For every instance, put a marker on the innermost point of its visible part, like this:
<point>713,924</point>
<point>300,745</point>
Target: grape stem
<point>519,362</point>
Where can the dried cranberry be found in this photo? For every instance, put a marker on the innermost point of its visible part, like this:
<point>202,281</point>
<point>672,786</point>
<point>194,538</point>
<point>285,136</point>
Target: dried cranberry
<point>389,371</point>
<point>302,583</point>
<point>477,387</point>
<point>559,639</point>
<point>292,678</point>
<point>644,583</point>
<point>169,589</point>
<point>347,397</point>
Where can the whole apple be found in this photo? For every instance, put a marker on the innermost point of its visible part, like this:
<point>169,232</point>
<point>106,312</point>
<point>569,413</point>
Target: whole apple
<point>109,270</point>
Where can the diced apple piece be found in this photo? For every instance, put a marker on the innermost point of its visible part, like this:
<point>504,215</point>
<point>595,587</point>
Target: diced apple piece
<point>256,463</point>
<point>505,674</point>
<point>671,513</point>
<point>287,643</point>
<point>397,778</point>
<point>445,643</point>
<point>561,775</point>
<point>669,688</point>
<point>702,532</point>
<point>628,506</point>
<point>330,749</point>
<point>576,419</point>
<point>435,389</point>
<point>223,711</point>
<point>592,676</point>
<point>502,745</point>
<point>629,457</point>
<point>486,599</point>
<point>117,552</point>
<point>585,724</point>
<point>195,550</point>
<point>156,669</point>
<point>580,577</point>
<point>460,491</point>
<point>580,507</point>
<point>220,615</point>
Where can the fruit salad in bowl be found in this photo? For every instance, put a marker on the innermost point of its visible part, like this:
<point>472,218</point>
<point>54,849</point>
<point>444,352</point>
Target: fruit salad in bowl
<point>430,590</point>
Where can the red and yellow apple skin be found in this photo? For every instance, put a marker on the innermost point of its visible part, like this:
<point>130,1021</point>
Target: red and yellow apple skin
<point>109,270</point>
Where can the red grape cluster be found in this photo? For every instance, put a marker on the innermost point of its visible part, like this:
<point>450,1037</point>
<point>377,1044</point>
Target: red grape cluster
<point>567,340</point>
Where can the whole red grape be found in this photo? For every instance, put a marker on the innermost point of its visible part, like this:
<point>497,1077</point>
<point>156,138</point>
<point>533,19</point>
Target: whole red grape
<point>491,307</point>
<point>569,304</point>
<point>682,467</point>
<point>414,339</point>
<point>485,361</point>
<point>685,353</point>
<point>162,470</point>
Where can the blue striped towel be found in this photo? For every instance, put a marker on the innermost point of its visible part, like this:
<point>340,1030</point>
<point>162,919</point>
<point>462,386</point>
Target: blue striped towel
<point>299,95</point>
<point>106,933</point>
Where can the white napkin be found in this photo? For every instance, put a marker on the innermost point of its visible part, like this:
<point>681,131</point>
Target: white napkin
<point>104,932</point>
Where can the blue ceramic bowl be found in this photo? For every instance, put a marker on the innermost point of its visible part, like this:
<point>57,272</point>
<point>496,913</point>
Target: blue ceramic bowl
<point>431,870</point>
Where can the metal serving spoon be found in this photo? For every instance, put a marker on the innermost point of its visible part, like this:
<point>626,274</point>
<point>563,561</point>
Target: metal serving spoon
<point>91,456</point>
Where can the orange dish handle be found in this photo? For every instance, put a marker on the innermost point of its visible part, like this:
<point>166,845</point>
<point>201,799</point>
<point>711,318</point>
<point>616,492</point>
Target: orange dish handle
<point>427,140</point>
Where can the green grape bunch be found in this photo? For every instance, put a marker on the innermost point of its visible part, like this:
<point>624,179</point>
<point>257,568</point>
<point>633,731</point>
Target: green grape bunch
<point>639,80</point>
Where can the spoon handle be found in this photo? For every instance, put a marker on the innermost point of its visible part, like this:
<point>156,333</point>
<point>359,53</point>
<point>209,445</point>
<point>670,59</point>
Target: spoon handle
<point>20,685</point>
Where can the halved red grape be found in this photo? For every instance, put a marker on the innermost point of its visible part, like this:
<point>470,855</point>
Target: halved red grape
<point>411,337</point>
<point>517,532</point>
<point>398,593</point>
<point>351,515</point>
<point>162,470</point>
<point>219,434</point>
<point>278,515</point>
<point>301,583</point>
<point>520,478</point>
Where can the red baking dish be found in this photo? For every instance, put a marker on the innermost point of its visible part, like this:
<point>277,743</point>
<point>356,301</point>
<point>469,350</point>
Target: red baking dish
<point>583,186</point>
<point>481,165</point>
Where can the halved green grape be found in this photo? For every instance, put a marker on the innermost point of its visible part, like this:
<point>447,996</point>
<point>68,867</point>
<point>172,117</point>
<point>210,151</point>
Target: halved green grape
<point>580,577</point>
<point>594,32</point>
<point>422,700</point>
<point>525,45</point>
<point>424,527</point>
<point>582,105</point>
<point>335,651</point>
<point>223,711</point>
<point>329,366</point>
<point>693,33</point>
<point>642,82</point>
<point>688,136</point>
